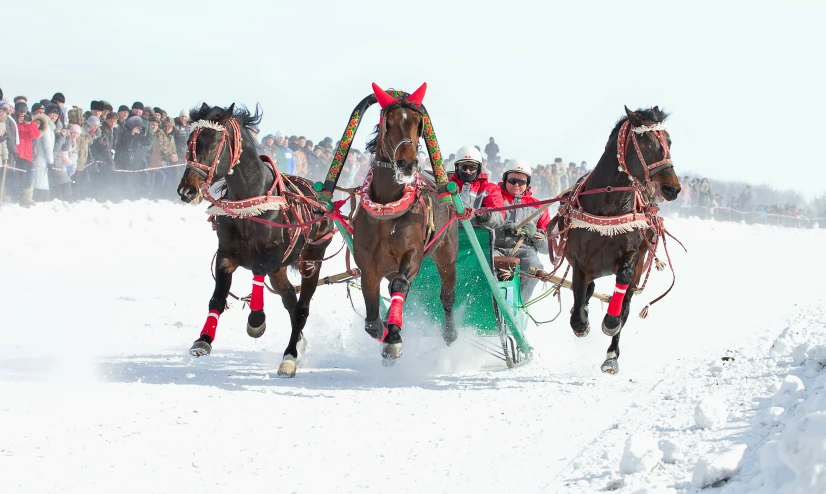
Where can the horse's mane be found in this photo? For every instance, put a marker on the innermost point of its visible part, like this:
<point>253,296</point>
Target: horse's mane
<point>402,103</point>
<point>216,113</point>
<point>653,114</point>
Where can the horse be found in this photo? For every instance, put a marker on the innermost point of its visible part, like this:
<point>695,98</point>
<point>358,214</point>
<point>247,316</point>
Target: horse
<point>610,231</point>
<point>255,198</point>
<point>399,213</point>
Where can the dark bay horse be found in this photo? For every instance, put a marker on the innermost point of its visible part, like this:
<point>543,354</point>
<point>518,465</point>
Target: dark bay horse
<point>637,156</point>
<point>403,212</point>
<point>221,147</point>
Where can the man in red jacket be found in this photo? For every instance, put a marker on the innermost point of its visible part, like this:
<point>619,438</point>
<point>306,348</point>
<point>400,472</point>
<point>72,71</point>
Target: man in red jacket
<point>475,189</point>
<point>516,189</point>
<point>27,132</point>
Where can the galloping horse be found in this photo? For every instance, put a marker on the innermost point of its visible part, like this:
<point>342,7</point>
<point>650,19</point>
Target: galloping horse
<point>221,147</point>
<point>399,213</point>
<point>610,232</point>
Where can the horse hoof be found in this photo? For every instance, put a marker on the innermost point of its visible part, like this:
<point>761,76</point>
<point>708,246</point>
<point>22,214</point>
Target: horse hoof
<point>450,336</point>
<point>200,348</point>
<point>610,366</point>
<point>583,333</point>
<point>391,351</point>
<point>375,329</point>
<point>610,329</point>
<point>256,323</point>
<point>288,366</point>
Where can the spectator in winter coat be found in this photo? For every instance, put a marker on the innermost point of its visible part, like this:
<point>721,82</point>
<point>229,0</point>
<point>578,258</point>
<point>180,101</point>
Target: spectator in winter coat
<point>129,155</point>
<point>181,135</point>
<point>4,135</point>
<point>492,151</point>
<point>515,188</point>
<point>44,159</point>
<point>301,163</point>
<point>474,188</point>
<point>60,180</point>
<point>268,146</point>
<point>285,160</point>
<point>27,132</point>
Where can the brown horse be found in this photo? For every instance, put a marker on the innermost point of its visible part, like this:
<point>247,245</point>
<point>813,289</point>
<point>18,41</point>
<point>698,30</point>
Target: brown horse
<point>390,230</point>
<point>221,147</point>
<point>638,157</point>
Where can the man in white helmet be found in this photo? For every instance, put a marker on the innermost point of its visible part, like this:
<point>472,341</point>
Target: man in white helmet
<point>474,187</point>
<point>516,189</point>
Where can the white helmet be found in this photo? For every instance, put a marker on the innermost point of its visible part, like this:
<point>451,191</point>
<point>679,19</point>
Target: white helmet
<point>518,165</point>
<point>469,153</point>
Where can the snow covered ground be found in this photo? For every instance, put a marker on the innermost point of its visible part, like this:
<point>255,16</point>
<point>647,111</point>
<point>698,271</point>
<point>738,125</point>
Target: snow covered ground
<point>721,386</point>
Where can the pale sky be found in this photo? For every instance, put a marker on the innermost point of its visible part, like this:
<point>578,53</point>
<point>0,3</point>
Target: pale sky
<point>744,81</point>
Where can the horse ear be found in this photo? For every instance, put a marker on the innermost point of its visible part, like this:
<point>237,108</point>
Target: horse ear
<point>633,117</point>
<point>204,109</point>
<point>383,98</point>
<point>418,95</point>
<point>228,112</point>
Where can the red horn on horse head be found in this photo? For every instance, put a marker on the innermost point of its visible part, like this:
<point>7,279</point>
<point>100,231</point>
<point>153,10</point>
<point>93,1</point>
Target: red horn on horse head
<point>418,95</point>
<point>383,98</point>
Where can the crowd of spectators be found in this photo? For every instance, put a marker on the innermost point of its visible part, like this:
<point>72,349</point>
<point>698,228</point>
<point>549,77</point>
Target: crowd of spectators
<point>698,198</point>
<point>50,150</point>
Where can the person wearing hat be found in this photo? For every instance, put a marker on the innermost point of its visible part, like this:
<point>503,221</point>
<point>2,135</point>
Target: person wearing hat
<point>38,109</point>
<point>130,152</point>
<point>285,160</point>
<point>516,189</point>
<point>85,169</point>
<point>60,101</point>
<point>27,132</point>
<point>268,146</point>
<point>8,138</point>
<point>182,131</point>
<point>43,156</point>
<point>474,188</point>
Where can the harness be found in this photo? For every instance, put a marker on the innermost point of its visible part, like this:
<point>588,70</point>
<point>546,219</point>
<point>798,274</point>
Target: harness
<point>643,216</point>
<point>283,195</point>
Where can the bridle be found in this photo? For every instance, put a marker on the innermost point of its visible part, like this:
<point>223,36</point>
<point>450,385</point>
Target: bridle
<point>622,148</point>
<point>208,171</point>
<point>392,164</point>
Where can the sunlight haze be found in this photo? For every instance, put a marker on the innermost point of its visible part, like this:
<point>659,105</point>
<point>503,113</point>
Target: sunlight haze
<point>743,80</point>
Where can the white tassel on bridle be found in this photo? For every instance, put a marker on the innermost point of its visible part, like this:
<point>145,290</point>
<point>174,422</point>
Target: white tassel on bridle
<point>642,129</point>
<point>206,124</point>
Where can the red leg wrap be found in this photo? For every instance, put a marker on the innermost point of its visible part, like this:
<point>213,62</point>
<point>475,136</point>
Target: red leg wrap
<point>615,306</point>
<point>257,301</point>
<point>394,316</point>
<point>211,324</point>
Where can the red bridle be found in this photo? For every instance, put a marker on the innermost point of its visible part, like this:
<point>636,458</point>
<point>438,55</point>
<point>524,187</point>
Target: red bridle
<point>208,171</point>
<point>622,148</point>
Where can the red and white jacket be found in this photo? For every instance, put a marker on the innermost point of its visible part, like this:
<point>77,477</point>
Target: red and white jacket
<point>480,193</point>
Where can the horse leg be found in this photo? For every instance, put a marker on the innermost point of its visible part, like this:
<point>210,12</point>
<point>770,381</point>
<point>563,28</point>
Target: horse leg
<point>257,321</point>
<point>611,364</point>
<point>612,322</point>
<point>370,289</point>
<point>217,305</point>
<point>447,274</point>
<point>298,317</point>
<point>580,285</point>
<point>399,286</point>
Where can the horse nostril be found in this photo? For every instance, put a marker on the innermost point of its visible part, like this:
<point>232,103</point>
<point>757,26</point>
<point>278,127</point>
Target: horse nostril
<point>669,190</point>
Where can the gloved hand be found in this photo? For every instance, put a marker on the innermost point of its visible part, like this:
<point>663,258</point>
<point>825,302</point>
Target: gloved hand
<point>528,230</point>
<point>483,217</point>
<point>509,228</point>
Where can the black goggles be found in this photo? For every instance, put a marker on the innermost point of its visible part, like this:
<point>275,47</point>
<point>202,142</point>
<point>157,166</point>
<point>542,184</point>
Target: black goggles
<point>468,167</point>
<point>517,181</point>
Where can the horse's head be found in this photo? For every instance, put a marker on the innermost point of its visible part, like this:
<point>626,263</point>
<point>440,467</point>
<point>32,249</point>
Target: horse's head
<point>398,132</point>
<point>213,149</point>
<point>644,150</point>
